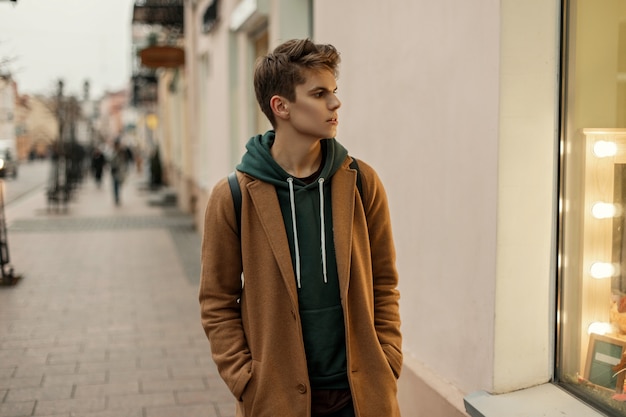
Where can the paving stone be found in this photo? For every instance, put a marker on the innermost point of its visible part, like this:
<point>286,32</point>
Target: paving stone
<point>121,376</point>
<point>72,379</point>
<point>100,390</point>
<point>45,408</point>
<point>95,367</point>
<point>177,362</point>
<point>193,397</point>
<point>141,400</point>
<point>55,358</point>
<point>21,357</point>
<point>39,393</point>
<point>216,384</point>
<point>172,385</point>
<point>53,351</point>
<point>10,383</point>
<point>183,410</point>
<point>186,350</point>
<point>225,409</point>
<point>17,409</point>
<point>121,352</point>
<point>39,370</point>
<point>188,372</point>
<point>46,342</point>
<point>211,395</point>
<point>131,412</point>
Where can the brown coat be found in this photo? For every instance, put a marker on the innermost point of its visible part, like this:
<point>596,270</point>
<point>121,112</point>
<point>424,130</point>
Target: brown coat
<point>254,331</point>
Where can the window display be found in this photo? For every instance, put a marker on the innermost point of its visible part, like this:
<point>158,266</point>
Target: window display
<point>591,355</point>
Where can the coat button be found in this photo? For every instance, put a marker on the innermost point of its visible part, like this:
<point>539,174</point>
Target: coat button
<point>302,388</point>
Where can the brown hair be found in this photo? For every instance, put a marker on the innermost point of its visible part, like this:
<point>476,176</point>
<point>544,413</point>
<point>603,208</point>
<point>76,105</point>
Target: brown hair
<point>279,72</point>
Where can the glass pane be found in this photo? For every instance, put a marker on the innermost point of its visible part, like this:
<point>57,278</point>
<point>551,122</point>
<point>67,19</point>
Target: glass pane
<point>592,249</point>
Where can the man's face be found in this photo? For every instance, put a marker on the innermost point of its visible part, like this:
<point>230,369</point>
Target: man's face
<point>314,112</point>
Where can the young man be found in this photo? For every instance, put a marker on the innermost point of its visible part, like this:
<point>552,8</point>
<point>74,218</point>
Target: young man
<point>312,328</point>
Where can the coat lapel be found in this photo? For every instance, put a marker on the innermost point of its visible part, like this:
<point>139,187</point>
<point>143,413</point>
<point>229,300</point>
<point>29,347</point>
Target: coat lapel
<point>268,210</point>
<point>343,198</point>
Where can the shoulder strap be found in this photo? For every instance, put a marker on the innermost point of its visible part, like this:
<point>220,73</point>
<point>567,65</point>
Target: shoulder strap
<point>236,192</point>
<point>355,165</point>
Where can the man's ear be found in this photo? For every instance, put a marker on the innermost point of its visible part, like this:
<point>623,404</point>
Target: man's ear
<point>280,107</point>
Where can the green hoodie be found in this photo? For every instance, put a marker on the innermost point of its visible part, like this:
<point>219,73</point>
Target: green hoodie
<point>312,253</point>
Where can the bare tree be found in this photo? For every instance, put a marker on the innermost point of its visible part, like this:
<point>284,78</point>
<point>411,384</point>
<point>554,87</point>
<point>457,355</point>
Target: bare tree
<point>5,62</point>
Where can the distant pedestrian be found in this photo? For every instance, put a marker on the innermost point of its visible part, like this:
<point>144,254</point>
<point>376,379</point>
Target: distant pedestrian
<point>119,168</point>
<point>97,165</point>
<point>130,156</point>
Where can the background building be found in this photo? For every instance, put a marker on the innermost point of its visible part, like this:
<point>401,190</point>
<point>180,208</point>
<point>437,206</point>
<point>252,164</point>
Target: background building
<point>8,99</point>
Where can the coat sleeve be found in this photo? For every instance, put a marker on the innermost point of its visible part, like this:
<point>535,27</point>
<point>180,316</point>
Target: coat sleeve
<point>385,275</point>
<point>220,290</point>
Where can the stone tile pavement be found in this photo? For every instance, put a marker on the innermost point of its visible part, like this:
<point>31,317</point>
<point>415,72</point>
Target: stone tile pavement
<point>104,322</point>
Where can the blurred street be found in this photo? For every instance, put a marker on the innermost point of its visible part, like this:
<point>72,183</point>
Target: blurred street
<point>104,321</point>
<point>31,176</point>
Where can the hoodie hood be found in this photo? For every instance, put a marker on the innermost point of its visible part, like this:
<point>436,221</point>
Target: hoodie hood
<point>259,163</point>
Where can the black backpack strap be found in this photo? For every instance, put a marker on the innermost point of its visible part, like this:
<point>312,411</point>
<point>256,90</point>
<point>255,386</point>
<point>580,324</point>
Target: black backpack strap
<point>233,182</point>
<point>355,165</point>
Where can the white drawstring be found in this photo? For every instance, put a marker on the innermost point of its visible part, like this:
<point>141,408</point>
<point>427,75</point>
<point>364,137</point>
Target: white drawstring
<point>322,227</point>
<point>295,230</point>
<point>296,244</point>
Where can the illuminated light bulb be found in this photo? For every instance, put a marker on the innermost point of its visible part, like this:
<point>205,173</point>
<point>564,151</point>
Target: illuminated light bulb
<point>602,149</point>
<point>603,210</point>
<point>600,270</point>
<point>598,327</point>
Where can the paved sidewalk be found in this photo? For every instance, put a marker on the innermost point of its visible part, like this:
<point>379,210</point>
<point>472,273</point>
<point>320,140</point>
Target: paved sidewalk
<point>105,320</point>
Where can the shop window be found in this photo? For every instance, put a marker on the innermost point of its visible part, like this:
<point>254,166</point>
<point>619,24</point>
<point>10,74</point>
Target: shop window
<point>591,354</point>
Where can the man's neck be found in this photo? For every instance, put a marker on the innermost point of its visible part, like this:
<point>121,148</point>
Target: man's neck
<point>297,156</point>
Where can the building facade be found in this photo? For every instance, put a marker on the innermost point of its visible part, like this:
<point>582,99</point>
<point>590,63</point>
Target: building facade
<point>8,139</point>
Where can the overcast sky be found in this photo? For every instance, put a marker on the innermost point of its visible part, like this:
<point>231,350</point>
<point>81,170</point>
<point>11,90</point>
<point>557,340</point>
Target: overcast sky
<point>73,40</point>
